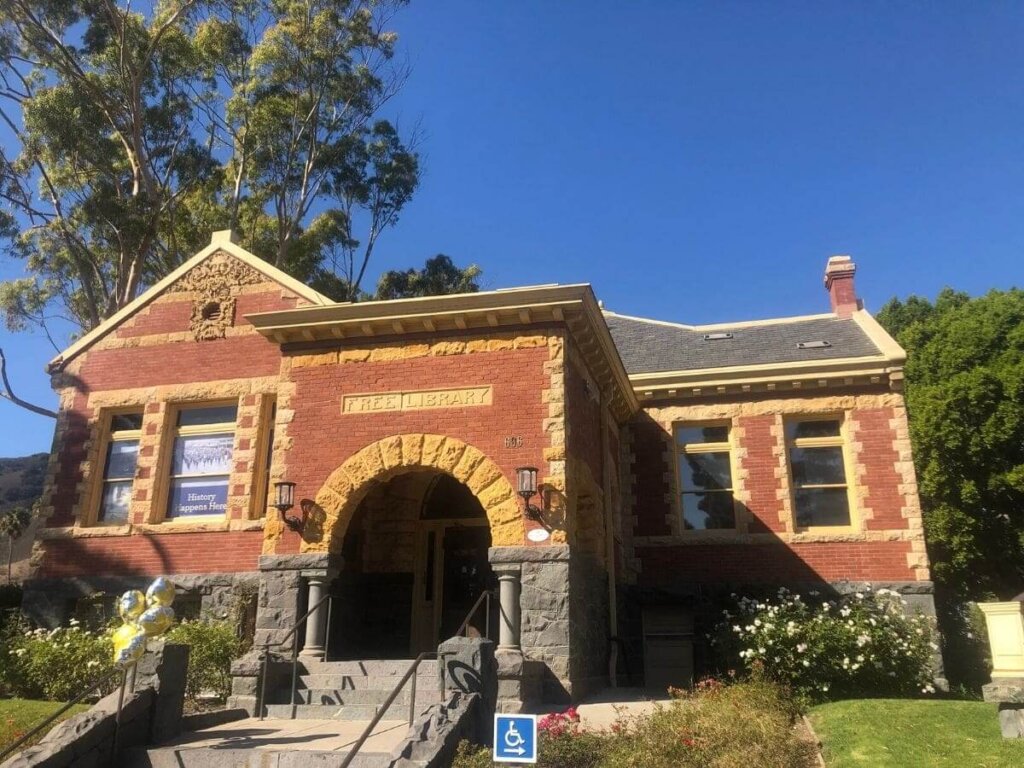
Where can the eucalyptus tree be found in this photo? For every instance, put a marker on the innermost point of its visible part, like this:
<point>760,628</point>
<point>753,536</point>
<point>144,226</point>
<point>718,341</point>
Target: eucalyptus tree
<point>131,132</point>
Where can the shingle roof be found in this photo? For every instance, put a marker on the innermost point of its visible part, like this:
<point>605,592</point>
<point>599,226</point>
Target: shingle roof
<point>648,346</point>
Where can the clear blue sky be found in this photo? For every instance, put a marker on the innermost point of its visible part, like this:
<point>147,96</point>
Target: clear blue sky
<point>699,161</point>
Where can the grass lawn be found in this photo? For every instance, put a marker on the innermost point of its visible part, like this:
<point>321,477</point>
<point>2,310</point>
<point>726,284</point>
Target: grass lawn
<point>895,732</point>
<point>18,716</point>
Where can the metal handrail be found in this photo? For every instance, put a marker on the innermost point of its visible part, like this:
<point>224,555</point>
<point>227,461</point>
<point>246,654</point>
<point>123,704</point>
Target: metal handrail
<point>293,634</point>
<point>485,596</point>
<point>382,710</point>
<point>123,672</point>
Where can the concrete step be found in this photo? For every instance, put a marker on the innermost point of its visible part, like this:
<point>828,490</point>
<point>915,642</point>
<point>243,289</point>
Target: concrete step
<point>360,682</point>
<point>333,696</point>
<point>398,710</point>
<point>370,668</point>
<point>227,757</point>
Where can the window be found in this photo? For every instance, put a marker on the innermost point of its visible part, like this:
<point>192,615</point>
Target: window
<point>119,467</point>
<point>705,477</point>
<point>201,461</point>
<point>820,493</point>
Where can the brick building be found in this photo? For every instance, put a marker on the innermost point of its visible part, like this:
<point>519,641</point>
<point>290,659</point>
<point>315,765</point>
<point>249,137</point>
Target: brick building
<point>676,463</point>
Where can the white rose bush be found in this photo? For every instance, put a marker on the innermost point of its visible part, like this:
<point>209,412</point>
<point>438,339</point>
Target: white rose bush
<point>857,645</point>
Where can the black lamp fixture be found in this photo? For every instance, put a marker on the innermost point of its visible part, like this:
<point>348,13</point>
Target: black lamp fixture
<point>284,500</point>
<point>526,482</point>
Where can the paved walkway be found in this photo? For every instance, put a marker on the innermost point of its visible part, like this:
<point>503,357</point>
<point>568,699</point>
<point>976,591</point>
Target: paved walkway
<point>305,735</point>
<point>600,711</point>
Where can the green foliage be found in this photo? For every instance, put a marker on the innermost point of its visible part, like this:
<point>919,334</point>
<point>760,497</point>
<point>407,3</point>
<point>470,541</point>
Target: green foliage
<point>965,396</point>
<point>439,276</point>
<point>859,645</point>
<point>55,664</point>
<point>733,725</point>
<point>214,645</point>
<point>139,129</point>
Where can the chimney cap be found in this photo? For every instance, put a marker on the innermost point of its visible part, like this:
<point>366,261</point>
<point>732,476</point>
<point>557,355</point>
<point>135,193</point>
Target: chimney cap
<point>839,266</point>
<point>222,236</point>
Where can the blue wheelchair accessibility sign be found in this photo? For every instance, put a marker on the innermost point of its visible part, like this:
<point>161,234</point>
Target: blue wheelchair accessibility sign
<point>515,738</point>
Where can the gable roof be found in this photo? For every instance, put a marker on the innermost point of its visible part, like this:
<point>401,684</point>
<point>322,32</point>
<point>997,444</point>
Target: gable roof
<point>220,241</point>
<point>650,346</point>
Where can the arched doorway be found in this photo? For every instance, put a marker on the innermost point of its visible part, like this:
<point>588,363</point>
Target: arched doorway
<point>415,561</point>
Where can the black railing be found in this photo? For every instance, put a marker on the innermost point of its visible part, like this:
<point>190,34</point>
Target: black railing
<point>98,685</point>
<point>293,635</point>
<point>412,673</point>
<point>382,710</point>
<point>485,597</point>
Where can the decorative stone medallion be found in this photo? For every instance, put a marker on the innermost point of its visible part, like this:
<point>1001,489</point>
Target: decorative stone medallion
<point>215,283</point>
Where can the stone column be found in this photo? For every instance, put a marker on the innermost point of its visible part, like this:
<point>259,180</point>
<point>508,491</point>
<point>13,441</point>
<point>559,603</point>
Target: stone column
<point>316,622</point>
<point>508,620</point>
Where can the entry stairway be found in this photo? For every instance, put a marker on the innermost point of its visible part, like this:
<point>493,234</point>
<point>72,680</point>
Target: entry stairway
<point>354,690</point>
<point>334,702</point>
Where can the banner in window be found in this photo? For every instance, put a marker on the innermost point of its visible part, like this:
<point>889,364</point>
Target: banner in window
<point>198,496</point>
<point>203,454</point>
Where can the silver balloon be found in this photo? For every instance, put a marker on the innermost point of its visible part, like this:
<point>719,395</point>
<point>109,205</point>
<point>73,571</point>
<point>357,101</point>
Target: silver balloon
<point>160,592</point>
<point>131,604</point>
<point>156,620</point>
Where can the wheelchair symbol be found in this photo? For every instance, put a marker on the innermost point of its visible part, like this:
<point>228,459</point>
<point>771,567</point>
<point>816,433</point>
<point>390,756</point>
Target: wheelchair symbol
<point>515,738</point>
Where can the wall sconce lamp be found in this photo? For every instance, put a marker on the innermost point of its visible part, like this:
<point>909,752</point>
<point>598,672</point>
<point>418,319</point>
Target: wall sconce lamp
<point>526,482</point>
<point>284,500</point>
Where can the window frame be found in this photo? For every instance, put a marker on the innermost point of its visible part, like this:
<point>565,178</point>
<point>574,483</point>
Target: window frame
<point>264,458</point>
<point>172,433</point>
<point>109,436</point>
<point>729,446</point>
<point>840,441</point>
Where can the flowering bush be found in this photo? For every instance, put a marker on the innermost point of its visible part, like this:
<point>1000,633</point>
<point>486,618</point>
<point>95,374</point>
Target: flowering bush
<point>214,645</point>
<point>862,644</point>
<point>52,664</point>
<point>724,724</point>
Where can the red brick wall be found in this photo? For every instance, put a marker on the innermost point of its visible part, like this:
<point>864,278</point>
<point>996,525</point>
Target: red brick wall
<point>149,365</point>
<point>149,555</point>
<point>583,421</point>
<point>775,563</point>
<point>323,438</point>
<point>880,503</point>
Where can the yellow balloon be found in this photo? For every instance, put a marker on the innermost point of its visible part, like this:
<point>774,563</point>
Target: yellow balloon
<point>123,635</point>
<point>131,652</point>
<point>131,604</point>
<point>156,620</point>
<point>160,592</point>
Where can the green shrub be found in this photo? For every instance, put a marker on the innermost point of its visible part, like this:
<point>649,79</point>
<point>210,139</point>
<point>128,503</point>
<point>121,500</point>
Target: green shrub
<point>862,644</point>
<point>736,725</point>
<point>214,645</point>
<point>52,664</point>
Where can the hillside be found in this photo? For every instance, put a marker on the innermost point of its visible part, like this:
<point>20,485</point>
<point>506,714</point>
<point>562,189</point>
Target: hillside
<point>21,480</point>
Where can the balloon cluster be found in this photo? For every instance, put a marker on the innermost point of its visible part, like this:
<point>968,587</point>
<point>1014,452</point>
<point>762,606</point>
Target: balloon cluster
<point>144,615</point>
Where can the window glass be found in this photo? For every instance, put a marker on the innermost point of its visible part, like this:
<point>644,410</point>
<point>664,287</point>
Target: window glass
<point>119,468</point>
<point>707,511</point>
<point>712,434</point>
<point>818,466</point>
<point>705,471</point>
<point>818,469</point>
<point>800,429</point>
<point>705,477</point>
<point>822,506</point>
<point>201,462</point>
<point>194,417</point>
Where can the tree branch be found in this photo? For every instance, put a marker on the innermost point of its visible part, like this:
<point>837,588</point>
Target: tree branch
<point>8,393</point>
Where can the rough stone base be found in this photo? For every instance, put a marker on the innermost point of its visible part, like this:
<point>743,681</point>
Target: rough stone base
<point>1008,694</point>
<point>52,602</point>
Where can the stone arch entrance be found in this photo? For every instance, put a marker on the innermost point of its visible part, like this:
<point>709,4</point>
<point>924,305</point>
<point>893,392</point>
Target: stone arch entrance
<point>347,486</point>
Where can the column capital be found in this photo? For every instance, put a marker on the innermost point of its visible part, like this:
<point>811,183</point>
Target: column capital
<point>507,570</point>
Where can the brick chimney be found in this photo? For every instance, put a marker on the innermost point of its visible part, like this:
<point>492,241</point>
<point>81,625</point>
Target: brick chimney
<point>839,283</point>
